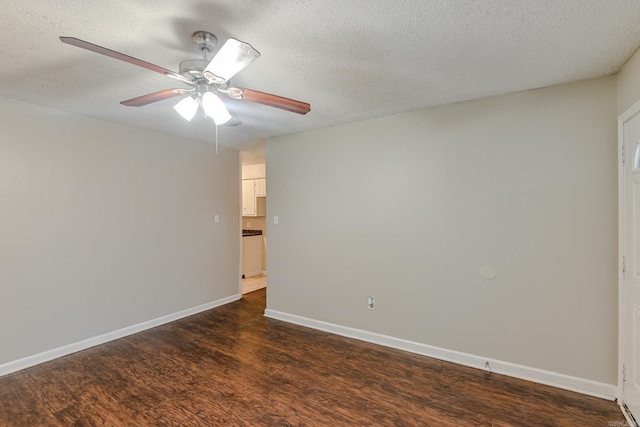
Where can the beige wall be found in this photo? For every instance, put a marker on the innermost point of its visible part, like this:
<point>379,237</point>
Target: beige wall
<point>629,83</point>
<point>254,171</point>
<point>408,208</point>
<point>255,223</point>
<point>104,226</point>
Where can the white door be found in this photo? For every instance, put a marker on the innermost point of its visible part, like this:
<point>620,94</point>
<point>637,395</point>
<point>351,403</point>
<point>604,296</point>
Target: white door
<point>630,295</point>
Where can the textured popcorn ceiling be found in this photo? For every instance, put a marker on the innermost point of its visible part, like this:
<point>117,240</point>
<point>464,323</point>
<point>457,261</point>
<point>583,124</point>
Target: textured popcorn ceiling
<point>351,60</point>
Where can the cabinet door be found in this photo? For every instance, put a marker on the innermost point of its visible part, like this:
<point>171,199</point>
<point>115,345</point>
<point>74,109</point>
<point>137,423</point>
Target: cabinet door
<point>248,197</point>
<point>261,187</point>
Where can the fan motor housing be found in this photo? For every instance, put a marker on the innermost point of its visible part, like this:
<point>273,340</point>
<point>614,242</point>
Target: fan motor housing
<point>193,68</point>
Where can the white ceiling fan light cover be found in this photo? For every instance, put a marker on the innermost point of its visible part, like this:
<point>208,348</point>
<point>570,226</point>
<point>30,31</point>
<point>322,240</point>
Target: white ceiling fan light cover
<point>215,108</point>
<point>232,57</point>
<point>187,107</point>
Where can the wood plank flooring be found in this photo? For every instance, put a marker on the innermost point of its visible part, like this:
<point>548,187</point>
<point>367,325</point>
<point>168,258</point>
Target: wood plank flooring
<point>231,366</point>
<point>254,283</point>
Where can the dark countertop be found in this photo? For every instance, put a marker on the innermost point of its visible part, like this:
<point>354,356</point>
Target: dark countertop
<point>246,233</point>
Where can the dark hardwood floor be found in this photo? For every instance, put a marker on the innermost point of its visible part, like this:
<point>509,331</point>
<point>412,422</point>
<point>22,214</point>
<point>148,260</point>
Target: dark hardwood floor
<point>231,366</point>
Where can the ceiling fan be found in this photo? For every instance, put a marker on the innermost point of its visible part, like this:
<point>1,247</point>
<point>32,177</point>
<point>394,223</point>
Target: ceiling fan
<point>206,78</point>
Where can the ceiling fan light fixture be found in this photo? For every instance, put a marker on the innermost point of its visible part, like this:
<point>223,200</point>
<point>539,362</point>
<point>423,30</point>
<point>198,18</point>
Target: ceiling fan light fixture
<point>232,57</point>
<point>203,76</point>
<point>214,108</point>
<point>187,108</point>
<point>235,92</point>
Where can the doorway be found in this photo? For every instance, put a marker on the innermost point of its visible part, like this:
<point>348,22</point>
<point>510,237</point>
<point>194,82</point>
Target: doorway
<point>629,287</point>
<point>254,223</point>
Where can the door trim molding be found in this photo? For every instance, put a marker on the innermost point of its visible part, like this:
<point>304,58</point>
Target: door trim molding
<point>550,378</point>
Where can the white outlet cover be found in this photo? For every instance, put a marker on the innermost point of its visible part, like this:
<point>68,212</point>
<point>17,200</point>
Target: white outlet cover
<point>488,272</point>
<point>371,303</point>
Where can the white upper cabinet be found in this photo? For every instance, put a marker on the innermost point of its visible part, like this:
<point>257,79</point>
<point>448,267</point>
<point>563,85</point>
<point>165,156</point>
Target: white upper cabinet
<point>252,188</point>
<point>248,197</point>
<point>261,187</point>
<point>254,184</point>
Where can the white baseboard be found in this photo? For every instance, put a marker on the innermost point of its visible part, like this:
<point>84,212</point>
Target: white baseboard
<point>252,274</point>
<point>48,355</point>
<point>627,416</point>
<point>580,385</point>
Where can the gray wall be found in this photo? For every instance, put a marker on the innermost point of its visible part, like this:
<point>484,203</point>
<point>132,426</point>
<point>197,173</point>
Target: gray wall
<point>407,208</point>
<point>629,83</point>
<point>104,226</point>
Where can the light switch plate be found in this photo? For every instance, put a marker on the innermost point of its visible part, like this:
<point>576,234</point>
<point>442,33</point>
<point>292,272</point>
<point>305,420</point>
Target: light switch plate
<point>275,219</point>
<point>216,218</point>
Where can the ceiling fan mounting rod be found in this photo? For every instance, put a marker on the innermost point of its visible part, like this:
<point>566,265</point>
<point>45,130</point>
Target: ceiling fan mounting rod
<point>205,41</point>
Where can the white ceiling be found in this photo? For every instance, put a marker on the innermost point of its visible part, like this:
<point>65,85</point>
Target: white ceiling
<point>351,60</point>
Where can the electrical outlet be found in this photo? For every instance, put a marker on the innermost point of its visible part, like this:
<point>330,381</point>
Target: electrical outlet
<point>371,302</point>
<point>248,224</point>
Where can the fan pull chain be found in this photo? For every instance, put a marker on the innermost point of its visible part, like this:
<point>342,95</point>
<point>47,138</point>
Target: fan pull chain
<point>216,139</point>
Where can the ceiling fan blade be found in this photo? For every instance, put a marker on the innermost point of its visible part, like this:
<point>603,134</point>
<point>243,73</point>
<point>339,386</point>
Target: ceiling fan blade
<point>235,121</point>
<point>126,58</point>
<point>232,57</point>
<point>276,101</point>
<point>154,97</point>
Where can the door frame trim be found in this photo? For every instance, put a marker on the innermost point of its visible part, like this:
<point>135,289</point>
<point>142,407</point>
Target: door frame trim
<point>623,118</point>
